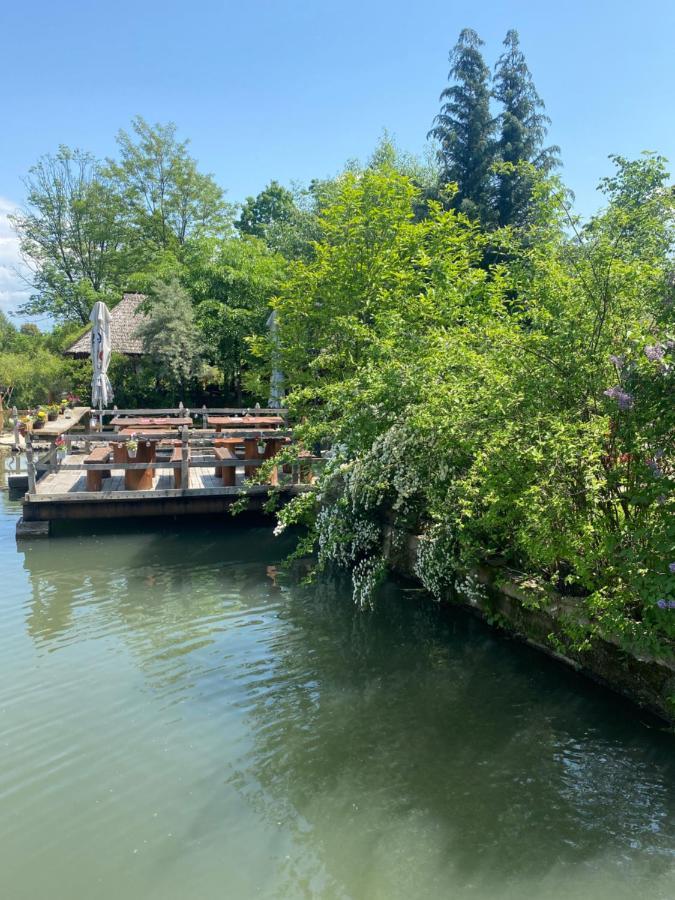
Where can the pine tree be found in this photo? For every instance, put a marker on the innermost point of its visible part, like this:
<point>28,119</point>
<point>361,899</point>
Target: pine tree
<point>465,128</point>
<point>523,127</point>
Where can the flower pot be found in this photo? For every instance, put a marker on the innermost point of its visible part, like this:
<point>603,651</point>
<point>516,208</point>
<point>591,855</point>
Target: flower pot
<point>38,423</point>
<point>261,447</point>
<point>52,416</point>
<point>132,453</point>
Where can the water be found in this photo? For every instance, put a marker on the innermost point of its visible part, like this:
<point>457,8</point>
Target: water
<point>179,720</point>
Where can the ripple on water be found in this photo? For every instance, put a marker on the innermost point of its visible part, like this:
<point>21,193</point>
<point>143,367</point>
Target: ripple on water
<point>176,720</point>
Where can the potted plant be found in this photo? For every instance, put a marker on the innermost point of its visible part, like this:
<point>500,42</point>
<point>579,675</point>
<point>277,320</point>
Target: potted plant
<point>132,446</point>
<point>60,448</point>
<point>73,400</point>
<point>261,445</point>
<point>40,419</point>
<point>25,425</point>
<point>52,412</point>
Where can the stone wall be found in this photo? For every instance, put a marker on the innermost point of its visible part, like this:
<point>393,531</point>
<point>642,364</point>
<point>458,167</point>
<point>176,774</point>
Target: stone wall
<point>525,609</point>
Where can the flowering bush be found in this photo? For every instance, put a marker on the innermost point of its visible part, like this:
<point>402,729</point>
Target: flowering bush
<point>507,394</point>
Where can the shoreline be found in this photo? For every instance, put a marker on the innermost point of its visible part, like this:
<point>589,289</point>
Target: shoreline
<point>517,605</point>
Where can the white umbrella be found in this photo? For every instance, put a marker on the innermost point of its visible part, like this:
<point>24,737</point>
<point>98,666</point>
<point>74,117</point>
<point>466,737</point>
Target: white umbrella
<point>101,389</point>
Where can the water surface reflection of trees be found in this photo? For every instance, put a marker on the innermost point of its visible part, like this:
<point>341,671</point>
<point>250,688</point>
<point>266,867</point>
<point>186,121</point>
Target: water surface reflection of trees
<point>420,744</point>
<point>404,750</point>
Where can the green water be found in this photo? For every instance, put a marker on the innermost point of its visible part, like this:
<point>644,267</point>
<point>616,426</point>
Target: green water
<point>179,721</point>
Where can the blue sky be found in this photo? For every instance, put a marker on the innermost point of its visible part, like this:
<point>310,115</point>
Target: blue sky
<point>292,89</point>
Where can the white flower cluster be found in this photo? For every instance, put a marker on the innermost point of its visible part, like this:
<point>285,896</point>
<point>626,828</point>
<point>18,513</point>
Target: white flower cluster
<point>433,565</point>
<point>366,575</point>
<point>468,587</point>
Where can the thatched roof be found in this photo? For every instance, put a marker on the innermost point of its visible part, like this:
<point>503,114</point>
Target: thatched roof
<point>125,319</point>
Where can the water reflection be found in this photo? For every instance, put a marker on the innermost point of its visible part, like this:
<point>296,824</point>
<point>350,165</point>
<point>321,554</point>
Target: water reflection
<point>402,752</point>
<point>440,738</point>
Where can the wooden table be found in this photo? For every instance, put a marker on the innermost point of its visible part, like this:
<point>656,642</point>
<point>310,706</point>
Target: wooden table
<point>250,422</point>
<point>139,422</point>
<point>272,446</point>
<point>137,479</point>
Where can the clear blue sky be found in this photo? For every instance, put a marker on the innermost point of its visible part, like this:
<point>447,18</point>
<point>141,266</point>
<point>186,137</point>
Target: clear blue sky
<point>290,89</point>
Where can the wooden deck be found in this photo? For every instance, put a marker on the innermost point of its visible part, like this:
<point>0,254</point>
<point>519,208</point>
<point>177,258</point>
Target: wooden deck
<point>59,488</point>
<point>60,484</point>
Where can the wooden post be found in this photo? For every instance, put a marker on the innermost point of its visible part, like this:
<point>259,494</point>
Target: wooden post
<point>184,465</point>
<point>204,416</point>
<point>17,434</point>
<point>250,452</point>
<point>30,462</point>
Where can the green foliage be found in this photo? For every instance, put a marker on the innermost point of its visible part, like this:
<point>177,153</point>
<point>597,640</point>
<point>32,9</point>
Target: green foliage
<point>166,199</point>
<point>522,126</point>
<point>232,283</point>
<point>524,410</point>
<point>274,204</point>
<point>465,128</point>
<point>91,231</point>
<point>71,233</point>
<point>170,338</point>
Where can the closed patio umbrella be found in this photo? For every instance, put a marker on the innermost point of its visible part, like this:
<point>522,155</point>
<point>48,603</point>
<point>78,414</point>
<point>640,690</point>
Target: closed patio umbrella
<point>101,389</point>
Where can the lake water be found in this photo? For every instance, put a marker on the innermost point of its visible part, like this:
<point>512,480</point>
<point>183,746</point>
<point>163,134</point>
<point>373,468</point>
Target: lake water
<point>178,719</point>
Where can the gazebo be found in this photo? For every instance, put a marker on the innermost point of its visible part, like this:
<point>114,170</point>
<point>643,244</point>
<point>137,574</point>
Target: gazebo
<point>125,319</point>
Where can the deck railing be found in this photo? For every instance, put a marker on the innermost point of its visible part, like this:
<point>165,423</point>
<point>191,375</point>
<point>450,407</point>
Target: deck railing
<point>59,458</point>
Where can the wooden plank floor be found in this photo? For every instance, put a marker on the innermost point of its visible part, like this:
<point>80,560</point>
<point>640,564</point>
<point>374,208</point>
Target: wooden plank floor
<point>71,482</point>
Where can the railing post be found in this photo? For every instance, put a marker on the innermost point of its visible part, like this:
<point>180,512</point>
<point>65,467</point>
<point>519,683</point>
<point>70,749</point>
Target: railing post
<point>205,416</point>
<point>17,433</point>
<point>184,465</point>
<point>30,463</point>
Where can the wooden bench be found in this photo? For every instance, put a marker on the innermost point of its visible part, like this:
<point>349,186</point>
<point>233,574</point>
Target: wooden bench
<point>227,473</point>
<point>95,476</point>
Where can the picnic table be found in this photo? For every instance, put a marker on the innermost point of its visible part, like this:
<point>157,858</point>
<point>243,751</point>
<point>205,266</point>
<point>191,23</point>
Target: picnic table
<point>158,422</point>
<point>138,479</point>
<point>221,422</point>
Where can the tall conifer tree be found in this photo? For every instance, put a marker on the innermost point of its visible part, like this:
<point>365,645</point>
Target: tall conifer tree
<point>465,127</point>
<point>522,131</point>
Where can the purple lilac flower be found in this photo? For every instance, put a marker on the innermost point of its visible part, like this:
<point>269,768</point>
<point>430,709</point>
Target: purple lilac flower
<point>672,568</point>
<point>661,499</point>
<point>618,361</point>
<point>623,398</point>
<point>654,466</point>
<point>670,345</point>
<point>654,352</point>
<point>661,604</point>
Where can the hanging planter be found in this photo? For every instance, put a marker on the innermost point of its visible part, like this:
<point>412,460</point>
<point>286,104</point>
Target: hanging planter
<point>132,447</point>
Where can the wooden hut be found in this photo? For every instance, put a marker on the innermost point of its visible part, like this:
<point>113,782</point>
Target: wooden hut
<point>125,319</point>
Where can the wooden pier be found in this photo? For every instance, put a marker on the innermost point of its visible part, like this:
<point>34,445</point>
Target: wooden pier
<point>173,471</point>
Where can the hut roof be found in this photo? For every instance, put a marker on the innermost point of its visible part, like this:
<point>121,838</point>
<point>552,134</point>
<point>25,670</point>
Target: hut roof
<point>124,320</point>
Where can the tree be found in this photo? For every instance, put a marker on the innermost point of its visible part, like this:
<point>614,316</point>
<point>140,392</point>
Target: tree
<point>465,128</point>
<point>523,129</point>
<point>170,336</point>
<point>232,286</point>
<point>273,204</point>
<point>166,199</point>
<point>285,220</point>
<point>71,233</point>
